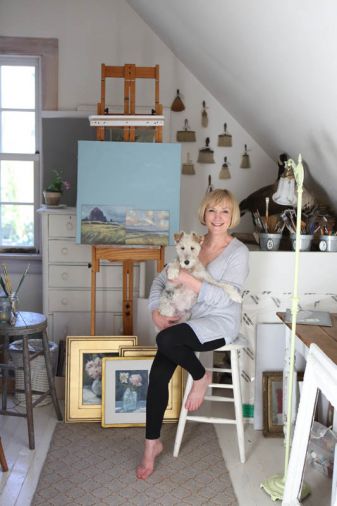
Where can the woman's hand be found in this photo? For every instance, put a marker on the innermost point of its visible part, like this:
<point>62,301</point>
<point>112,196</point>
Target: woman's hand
<point>185,278</point>
<point>162,322</point>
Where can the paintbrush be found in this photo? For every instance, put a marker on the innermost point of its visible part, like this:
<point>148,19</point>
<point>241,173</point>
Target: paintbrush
<point>7,279</point>
<point>3,286</point>
<point>21,280</point>
<point>267,211</point>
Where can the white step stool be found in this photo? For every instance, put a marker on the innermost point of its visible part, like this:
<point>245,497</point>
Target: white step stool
<point>234,349</point>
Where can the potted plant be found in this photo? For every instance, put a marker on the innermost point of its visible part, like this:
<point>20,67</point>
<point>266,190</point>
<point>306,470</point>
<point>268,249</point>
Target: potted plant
<point>52,194</point>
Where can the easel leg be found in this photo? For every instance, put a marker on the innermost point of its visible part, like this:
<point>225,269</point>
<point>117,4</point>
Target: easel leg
<point>127,297</point>
<point>94,268</point>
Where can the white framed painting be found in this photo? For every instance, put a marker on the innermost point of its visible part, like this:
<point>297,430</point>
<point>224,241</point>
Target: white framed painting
<point>125,384</point>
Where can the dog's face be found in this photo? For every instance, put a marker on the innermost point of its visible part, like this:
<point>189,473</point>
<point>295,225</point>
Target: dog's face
<point>188,248</point>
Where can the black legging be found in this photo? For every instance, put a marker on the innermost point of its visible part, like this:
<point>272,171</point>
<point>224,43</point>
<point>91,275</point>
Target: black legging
<point>176,346</point>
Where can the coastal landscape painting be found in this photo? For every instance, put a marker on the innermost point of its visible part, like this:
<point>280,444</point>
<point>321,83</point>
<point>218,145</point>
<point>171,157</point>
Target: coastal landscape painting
<point>128,193</point>
<point>106,224</point>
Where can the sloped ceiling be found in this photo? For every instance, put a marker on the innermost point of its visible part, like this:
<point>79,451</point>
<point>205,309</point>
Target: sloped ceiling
<point>271,64</point>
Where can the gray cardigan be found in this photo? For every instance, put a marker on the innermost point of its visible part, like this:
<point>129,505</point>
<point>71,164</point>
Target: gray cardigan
<point>214,315</point>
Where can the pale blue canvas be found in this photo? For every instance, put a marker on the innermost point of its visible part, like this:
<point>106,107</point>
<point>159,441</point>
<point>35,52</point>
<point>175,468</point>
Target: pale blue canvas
<point>130,175</point>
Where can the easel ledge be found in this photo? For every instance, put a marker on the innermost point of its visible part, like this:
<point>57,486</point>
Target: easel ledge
<point>127,256</point>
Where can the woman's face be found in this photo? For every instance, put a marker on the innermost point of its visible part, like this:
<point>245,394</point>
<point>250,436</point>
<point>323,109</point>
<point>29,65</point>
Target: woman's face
<point>218,217</point>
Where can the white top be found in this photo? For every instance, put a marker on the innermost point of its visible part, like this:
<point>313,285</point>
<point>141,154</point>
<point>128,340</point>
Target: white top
<point>214,315</point>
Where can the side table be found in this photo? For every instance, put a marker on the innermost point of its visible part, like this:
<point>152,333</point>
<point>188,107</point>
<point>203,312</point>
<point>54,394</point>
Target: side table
<point>27,324</point>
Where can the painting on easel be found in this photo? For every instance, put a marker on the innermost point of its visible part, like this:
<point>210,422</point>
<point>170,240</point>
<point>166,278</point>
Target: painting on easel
<point>103,224</point>
<point>128,193</point>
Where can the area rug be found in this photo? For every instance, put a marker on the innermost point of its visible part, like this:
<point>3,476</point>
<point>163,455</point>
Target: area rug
<point>89,466</point>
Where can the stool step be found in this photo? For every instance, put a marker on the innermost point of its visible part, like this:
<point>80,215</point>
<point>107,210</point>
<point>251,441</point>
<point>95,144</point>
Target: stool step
<point>220,385</point>
<point>210,419</point>
<point>218,398</point>
<point>218,369</point>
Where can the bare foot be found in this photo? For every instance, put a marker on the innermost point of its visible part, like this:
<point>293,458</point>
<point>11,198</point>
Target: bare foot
<point>153,447</point>
<point>198,392</point>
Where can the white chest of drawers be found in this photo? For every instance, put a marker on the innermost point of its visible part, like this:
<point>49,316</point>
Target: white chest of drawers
<point>66,281</point>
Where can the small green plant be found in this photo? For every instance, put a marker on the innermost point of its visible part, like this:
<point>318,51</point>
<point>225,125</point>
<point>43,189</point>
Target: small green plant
<point>58,184</point>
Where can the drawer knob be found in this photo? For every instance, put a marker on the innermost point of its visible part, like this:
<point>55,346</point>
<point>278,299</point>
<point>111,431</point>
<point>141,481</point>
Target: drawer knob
<point>65,275</point>
<point>64,251</point>
<point>64,301</point>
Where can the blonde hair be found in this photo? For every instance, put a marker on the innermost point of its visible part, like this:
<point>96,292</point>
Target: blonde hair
<point>217,197</point>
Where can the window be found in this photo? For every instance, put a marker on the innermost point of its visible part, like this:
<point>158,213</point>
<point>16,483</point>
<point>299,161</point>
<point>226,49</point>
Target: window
<point>19,151</point>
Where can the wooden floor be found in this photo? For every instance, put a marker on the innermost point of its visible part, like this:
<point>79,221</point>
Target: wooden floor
<point>265,457</point>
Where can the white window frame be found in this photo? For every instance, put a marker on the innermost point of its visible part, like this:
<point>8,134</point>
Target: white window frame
<point>21,60</point>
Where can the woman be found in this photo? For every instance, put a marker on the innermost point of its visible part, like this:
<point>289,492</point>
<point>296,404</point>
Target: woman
<point>215,318</point>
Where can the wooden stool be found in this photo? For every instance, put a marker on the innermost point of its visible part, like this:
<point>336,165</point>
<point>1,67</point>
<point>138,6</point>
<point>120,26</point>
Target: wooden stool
<point>234,349</point>
<point>26,325</point>
<point>3,461</point>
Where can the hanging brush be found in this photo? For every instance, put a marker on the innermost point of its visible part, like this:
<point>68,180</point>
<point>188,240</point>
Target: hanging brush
<point>210,187</point>
<point>245,161</point>
<point>204,115</point>
<point>177,104</point>
<point>206,154</point>
<point>225,139</point>
<point>187,168</point>
<point>186,135</point>
<point>224,171</point>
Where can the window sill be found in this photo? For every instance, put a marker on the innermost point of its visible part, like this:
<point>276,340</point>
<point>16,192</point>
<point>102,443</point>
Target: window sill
<point>17,262</point>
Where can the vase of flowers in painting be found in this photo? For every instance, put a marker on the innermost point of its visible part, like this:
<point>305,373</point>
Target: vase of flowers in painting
<point>93,369</point>
<point>130,395</point>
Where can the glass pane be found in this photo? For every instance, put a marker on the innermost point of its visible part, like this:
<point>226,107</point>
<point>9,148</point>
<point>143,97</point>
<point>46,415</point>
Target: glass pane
<point>17,181</point>
<point>17,132</point>
<point>17,225</point>
<point>17,87</point>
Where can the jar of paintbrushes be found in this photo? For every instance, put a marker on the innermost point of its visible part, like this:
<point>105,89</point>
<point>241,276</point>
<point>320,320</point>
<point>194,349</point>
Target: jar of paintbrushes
<point>269,228</point>
<point>9,298</point>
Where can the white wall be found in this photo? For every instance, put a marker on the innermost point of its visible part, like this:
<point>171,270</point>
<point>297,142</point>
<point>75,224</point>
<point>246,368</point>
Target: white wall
<point>271,64</point>
<point>109,31</point>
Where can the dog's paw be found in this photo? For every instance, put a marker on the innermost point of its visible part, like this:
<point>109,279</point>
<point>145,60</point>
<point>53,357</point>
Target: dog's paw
<point>233,294</point>
<point>172,272</point>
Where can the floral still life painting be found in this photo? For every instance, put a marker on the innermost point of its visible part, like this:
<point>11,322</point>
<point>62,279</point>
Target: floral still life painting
<point>83,382</point>
<point>125,384</point>
<point>131,389</point>
<point>104,224</point>
<point>92,376</point>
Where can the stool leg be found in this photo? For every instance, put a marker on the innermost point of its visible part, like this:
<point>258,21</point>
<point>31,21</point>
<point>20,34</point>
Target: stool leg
<point>238,403</point>
<point>182,418</point>
<point>50,375</point>
<point>28,393</point>
<point>5,373</point>
<point>3,461</point>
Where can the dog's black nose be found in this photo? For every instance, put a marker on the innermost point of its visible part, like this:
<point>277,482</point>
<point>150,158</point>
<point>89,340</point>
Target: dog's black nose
<point>186,262</point>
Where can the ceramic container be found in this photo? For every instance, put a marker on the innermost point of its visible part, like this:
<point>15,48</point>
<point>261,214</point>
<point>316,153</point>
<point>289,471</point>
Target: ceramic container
<point>270,242</point>
<point>328,243</point>
<point>305,242</point>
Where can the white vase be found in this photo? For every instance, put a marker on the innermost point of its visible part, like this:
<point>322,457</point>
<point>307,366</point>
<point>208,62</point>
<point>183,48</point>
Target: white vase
<point>129,400</point>
<point>96,387</point>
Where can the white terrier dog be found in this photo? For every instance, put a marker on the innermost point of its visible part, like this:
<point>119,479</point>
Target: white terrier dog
<point>178,299</point>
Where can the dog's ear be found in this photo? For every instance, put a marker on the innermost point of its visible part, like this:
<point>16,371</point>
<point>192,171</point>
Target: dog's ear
<point>198,238</point>
<point>178,236</point>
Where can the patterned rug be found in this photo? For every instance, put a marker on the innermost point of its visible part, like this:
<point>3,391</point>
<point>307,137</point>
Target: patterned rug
<point>89,466</point>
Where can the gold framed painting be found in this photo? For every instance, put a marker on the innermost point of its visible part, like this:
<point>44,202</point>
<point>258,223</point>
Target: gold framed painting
<point>175,386</point>
<point>272,389</point>
<point>84,355</point>
<point>125,384</point>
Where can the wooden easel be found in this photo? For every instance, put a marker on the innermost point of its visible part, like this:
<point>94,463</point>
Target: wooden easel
<point>114,253</point>
<point>127,256</point>
<point>129,73</point>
